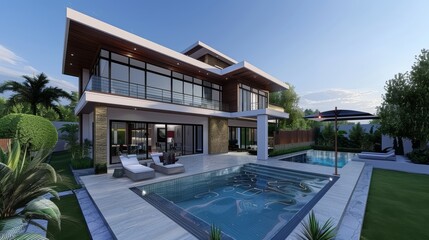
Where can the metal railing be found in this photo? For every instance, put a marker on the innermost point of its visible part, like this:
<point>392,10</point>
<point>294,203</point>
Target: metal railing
<point>105,85</point>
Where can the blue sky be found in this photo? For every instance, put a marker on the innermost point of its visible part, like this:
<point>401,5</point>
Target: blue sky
<point>335,53</point>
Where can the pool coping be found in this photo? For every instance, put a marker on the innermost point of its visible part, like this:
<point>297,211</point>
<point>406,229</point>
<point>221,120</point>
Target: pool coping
<point>130,217</point>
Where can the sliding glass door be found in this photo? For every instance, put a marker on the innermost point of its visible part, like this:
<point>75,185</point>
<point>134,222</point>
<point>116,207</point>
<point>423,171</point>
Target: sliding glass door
<point>143,138</point>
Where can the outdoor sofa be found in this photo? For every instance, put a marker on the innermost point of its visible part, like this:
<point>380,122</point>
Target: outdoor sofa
<point>168,169</point>
<point>390,155</point>
<point>134,170</point>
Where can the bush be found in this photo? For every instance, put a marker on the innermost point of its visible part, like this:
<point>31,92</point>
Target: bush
<point>33,130</point>
<point>340,149</point>
<point>290,150</point>
<point>82,163</point>
<point>419,156</point>
<point>100,168</point>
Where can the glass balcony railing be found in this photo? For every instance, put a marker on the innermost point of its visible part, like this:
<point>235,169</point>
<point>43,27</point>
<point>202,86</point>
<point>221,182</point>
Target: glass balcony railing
<point>123,88</point>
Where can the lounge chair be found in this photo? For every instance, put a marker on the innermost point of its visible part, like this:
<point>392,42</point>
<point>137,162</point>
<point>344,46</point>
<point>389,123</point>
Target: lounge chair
<point>166,169</point>
<point>390,155</point>
<point>134,170</point>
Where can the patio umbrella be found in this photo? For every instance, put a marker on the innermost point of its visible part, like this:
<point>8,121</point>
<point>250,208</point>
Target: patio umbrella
<point>338,115</point>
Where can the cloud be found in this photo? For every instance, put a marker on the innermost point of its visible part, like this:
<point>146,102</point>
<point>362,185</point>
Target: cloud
<point>13,67</point>
<point>354,99</point>
<point>8,56</point>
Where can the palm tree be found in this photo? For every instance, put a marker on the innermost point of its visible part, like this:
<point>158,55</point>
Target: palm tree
<point>34,91</point>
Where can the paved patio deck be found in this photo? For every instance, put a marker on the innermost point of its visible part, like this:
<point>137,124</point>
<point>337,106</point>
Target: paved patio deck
<point>130,217</point>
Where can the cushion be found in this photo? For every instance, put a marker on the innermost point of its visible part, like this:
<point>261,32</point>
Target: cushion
<point>128,161</point>
<point>155,158</point>
<point>174,165</point>
<point>138,168</point>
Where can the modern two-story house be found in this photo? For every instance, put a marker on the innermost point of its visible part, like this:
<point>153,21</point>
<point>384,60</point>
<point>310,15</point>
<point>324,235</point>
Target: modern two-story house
<point>139,97</point>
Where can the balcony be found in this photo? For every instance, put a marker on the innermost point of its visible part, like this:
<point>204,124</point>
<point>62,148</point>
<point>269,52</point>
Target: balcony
<point>117,87</point>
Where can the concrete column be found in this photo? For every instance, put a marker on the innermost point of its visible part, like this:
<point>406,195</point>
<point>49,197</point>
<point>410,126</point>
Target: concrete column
<point>262,131</point>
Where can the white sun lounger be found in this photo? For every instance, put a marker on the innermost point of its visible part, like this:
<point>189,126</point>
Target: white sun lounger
<point>166,169</point>
<point>378,156</point>
<point>134,170</point>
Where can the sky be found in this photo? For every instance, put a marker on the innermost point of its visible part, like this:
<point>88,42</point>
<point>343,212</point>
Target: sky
<point>334,53</point>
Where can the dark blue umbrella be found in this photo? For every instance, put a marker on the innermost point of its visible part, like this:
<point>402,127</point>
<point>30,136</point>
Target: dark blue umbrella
<point>339,115</point>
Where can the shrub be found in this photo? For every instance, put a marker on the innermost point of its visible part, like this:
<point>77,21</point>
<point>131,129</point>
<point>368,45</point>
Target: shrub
<point>313,230</point>
<point>340,149</point>
<point>22,189</point>
<point>290,150</point>
<point>35,131</point>
<point>419,156</point>
<point>85,162</point>
<point>100,168</point>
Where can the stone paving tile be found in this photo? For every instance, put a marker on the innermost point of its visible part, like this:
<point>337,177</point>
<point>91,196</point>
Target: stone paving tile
<point>351,224</point>
<point>94,220</point>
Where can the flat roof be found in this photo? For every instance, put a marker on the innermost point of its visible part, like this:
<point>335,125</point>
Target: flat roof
<point>85,36</point>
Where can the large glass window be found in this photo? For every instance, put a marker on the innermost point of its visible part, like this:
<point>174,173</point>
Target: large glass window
<point>143,138</point>
<point>251,98</point>
<point>158,87</point>
<point>119,74</point>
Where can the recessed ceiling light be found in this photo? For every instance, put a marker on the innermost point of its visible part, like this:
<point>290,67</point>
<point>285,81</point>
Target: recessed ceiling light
<point>226,78</point>
<point>71,64</point>
<point>207,73</point>
<point>135,49</point>
<point>72,54</point>
<point>178,63</point>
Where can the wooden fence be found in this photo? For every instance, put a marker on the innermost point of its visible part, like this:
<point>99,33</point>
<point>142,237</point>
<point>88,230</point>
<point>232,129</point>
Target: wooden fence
<point>293,136</point>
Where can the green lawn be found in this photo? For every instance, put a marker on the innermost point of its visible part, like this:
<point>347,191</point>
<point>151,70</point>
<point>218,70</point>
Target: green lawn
<point>397,207</point>
<point>73,227</point>
<point>61,161</point>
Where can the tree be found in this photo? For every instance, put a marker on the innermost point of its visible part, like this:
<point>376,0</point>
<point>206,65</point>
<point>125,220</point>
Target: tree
<point>34,91</point>
<point>288,99</point>
<point>356,135</point>
<point>405,108</point>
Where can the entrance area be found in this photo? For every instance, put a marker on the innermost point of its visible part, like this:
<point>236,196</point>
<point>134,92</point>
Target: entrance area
<point>242,138</point>
<point>142,138</point>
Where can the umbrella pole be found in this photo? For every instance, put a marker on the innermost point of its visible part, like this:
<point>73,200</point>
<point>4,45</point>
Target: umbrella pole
<point>336,143</point>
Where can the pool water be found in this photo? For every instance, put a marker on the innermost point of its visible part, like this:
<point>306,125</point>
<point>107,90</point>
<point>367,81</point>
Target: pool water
<point>246,202</point>
<point>324,158</point>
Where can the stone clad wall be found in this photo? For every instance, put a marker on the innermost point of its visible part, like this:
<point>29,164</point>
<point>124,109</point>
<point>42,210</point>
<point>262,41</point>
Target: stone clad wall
<point>218,135</point>
<point>100,141</point>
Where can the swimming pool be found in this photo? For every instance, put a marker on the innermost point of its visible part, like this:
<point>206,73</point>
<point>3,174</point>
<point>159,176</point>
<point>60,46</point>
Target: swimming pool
<point>251,201</point>
<point>324,158</point>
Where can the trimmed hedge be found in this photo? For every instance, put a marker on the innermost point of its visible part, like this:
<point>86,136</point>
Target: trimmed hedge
<point>290,150</point>
<point>419,156</point>
<point>36,131</point>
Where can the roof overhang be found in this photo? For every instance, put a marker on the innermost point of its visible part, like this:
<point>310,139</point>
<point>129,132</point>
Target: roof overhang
<point>85,36</point>
<point>199,49</point>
